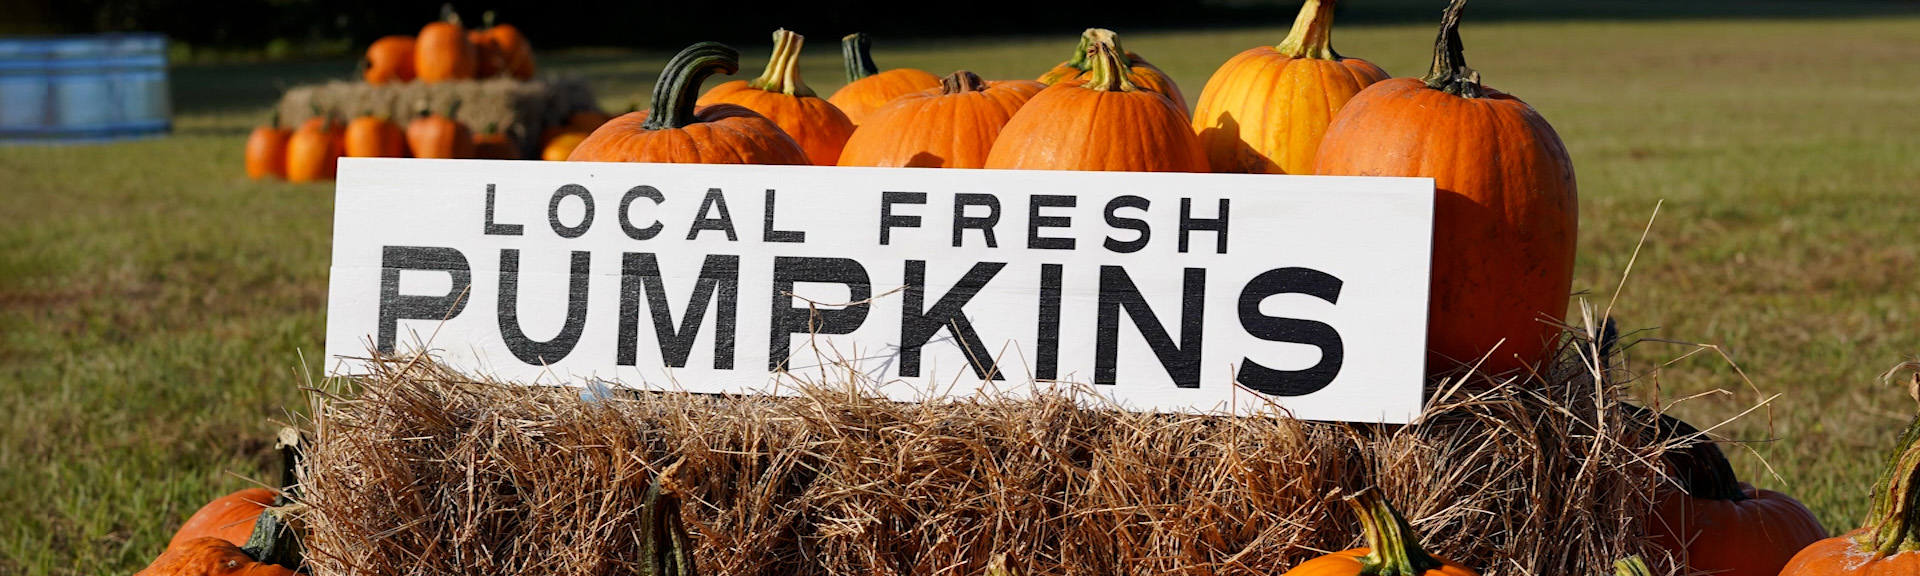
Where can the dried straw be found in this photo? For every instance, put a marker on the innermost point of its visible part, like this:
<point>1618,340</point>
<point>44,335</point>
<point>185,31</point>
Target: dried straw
<point>519,109</point>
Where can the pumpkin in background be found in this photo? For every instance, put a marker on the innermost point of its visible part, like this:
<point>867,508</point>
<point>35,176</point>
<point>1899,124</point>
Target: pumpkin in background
<point>1265,111</point>
<point>313,151</point>
<point>780,95</point>
<point>371,136</point>
<point>560,147</point>
<point>441,52</point>
<point>389,59</point>
<point>267,150</point>
<point>1716,523</point>
<point>1506,210</point>
<point>1889,542</point>
<point>1139,72</point>
<point>432,136</point>
<point>1392,547</point>
<point>675,131</point>
<point>1105,123</point>
<point>584,121</point>
<point>511,52</point>
<point>867,87</point>
<point>953,126</point>
<point>492,144</point>
<point>487,61</point>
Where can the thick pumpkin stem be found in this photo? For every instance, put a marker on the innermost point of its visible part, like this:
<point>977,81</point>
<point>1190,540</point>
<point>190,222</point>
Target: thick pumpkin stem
<point>856,50</point>
<point>1393,549</point>
<point>1109,67</point>
<point>961,81</point>
<point>1450,72</point>
<point>1702,468</point>
<point>665,548</point>
<point>783,71</point>
<point>679,85</point>
<point>1893,524</point>
<point>448,15</point>
<point>1080,59</point>
<point>274,541</point>
<point>289,446</point>
<point>1312,34</point>
<point>1631,566</point>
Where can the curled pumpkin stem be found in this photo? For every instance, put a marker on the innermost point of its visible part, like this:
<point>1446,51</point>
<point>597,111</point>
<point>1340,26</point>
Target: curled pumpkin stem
<point>961,81</point>
<point>1393,547</point>
<point>783,70</point>
<point>1312,33</point>
<point>1450,72</point>
<point>679,85</point>
<point>1109,67</point>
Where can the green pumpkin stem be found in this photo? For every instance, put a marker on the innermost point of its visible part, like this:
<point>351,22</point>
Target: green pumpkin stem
<point>1393,549</point>
<point>856,50</point>
<point>1110,70</point>
<point>1080,60</point>
<point>961,81</point>
<point>273,540</point>
<point>1312,34</point>
<point>289,446</point>
<point>1702,468</point>
<point>1450,72</point>
<point>678,88</point>
<point>664,546</point>
<point>1631,566</point>
<point>1893,522</point>
<point>783,70</point>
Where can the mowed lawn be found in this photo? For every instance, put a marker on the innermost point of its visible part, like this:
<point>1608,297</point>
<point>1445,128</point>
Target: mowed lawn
<point>158,310</point>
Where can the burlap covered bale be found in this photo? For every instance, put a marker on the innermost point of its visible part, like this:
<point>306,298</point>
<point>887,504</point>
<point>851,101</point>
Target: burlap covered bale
<point>422,470</point>
<point>520,109</point>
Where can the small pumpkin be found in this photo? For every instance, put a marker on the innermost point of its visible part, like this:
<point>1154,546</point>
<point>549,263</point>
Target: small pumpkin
<point>487,61</point>
<point>313,151</point>
<point>1139,72</point>
<point>228,518</point>
<point>780,95</point>
<point>267,150</point>
<point>1265,111</point>
<point>560,147</point>
<point>1889,542</point>
<point>867,87</point>
<point>442,51</point>
<point>389,59</point>
<point>675,131</point>
<point>953,126</point>
<point>1105,123</point>
<point>433,136</point>
<point>372,136</point>
<point>1716,523</point>
<point>512,54</point>
<point>492,144</point>
<point>584,121</point>
<point>1506,208</point>
<point>1393,549</point>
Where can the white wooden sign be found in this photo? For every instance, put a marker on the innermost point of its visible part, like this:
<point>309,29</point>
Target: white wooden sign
<point>1165,292</point>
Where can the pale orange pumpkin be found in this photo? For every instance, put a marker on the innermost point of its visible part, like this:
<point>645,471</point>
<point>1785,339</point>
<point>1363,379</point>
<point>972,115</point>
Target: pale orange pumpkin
<point>867,87</point>
<point>780,95</point>
<point>953,126</point>
<point>1105,123</point>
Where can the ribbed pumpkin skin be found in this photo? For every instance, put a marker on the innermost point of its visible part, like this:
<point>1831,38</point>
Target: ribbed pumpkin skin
<point>374,137</point>
<point>209,557</point>
<point>439,137</point>
<point>228,518</point>
<point>862,97</point>
<point>1141,73</point>
<point>389,59</point>
<point>820,127</point>
<point>725,134</point>
<point>267,152</point>
<point>441,52</point>
<point>313,152</point>
<point>1506,212</point>
<point>932,129</point>
<point>1068,127</point>
<point>1843,556</point>
<point>1265,113</point>
<point>1753,537</point>
<point>1347,563</point>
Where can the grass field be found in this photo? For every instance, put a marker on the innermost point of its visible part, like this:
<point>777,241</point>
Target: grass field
<point>156,306</point>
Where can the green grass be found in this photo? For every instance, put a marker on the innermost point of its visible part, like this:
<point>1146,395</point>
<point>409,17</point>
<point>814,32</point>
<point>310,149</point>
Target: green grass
<point>155,304</point>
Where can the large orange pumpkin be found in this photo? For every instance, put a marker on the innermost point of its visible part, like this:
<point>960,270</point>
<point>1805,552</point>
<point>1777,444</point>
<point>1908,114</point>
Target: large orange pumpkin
<point>780,95</point>
<point>1265,110</point>
<point>1105,123</point>
<point>209,556</point>
<point>372,136</point>
<point>389,59</point>
<point>313,151</point>
<point>953,126</point>
<point>228,518</point>
<point>1714,523</point>
<point>867,87</point>
<point>267,150</point>
<point>674,131</point>
<point>431,136</point>
<point>1889,543</point>
<point>1393,549</point>
<point>442,51</point>
<point>1139,72</point>
<point>1506,210</point>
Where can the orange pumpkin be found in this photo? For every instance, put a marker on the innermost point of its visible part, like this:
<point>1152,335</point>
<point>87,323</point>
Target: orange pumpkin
<point>267,150</point>
<point>674,131</point>
<point>1506,209</point>
<point>867,87</point>
<point>1716,523</point>
<point>210,556</point>
<point>313,151</point>
<point>442,52</point>
<point>487,62</point>
<point>492,144</point>
<point>1105,123</point>
<point>228,518</point>
<point>953,126</point>
<point>1393,549</point>
<point>374,137</point>
<point>1889,543</point>
<point>560,147</point>
<point>584,121</point>
<point>511,52</point>
<point>431,136</point>
<point>1265,111</point>
<point>389,59</point>
<point>1139,72</point>
<point>780,95</point>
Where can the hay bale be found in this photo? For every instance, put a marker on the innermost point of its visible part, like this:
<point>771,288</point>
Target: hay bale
<point>521,109</point>
<point>423,470</point>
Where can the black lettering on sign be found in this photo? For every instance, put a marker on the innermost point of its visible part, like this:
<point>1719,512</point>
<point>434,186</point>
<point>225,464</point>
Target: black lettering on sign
<point>1035,221</point>
<point>769,234</point>
<point>1332,353</point>
<point>492,229</point>
<point>788,319</point>
<point>723,222</point>
<point>1118,293</point>
<point>626,212</point>
<point>1115,220</point>
<point>553,211</point>
<point>1047,364</point>
<point>1189,224</point>
<point>395,306</point>
<point>917,327</point>
<point>985,224</point>
<point>538,352</point>
<point>719,282</point>
<point>888,221</point>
